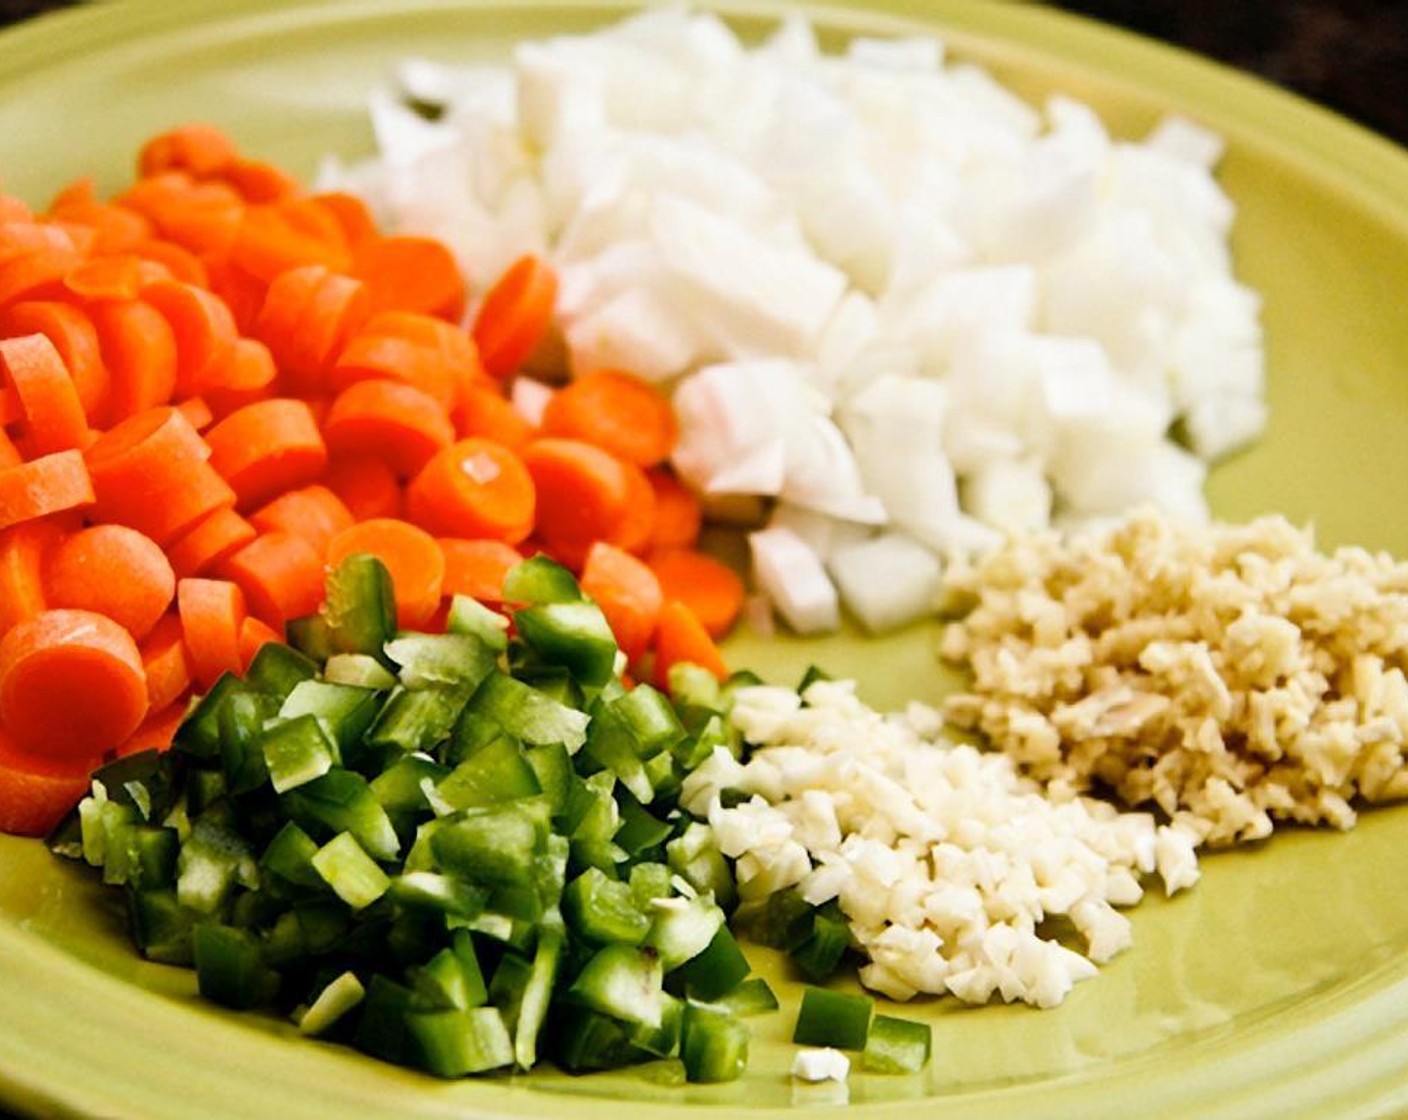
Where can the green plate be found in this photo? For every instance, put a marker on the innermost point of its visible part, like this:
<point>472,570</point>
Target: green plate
<point>1279,986</point>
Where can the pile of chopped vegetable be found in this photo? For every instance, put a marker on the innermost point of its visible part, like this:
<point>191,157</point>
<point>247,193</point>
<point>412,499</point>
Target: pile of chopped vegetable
<point>215,384</point>
<point>457,851</point>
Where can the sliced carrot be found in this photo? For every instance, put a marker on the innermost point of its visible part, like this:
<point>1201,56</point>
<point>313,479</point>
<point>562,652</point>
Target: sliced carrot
<point>411,555</point>
<point>9,454</point>
<point>258,182</point>
<point>709,587</point>
<point>197,412</point>
<point>201,217</point>
<point>156,733</point>
<point>146,453</point>
<point>680,638</point>
<point>350,212</point>
<point>396,422</point>
<point>254,636</point>
<point>583,495</point>
<point>182,264</point>
<point>366,485</point>
<point>48,484</point>
<point>266,448</point>
<point>165,663</point>
<point>203,328</point>
<point>38,274</point>
<point>678,516</point>
<point>436,357</point>
<point>515,315</point>
<point>54,418</point>
<point>118,276</point>
<point>243,294</point>
<point>485,412</point>
<point>474,488</point>
<point>627,592</point>
<point>247,375</point>
<point>314,513</point>
<point>37,793</point>
<point>113,570</point>
<point>273,238</point>
<point>76,340</point>
<point>618,412</point>
<point>24,552</point>
<point>139,351</point>
<point>281,575</point>
<point>307,317</point>
<point>215,537</point>
<point>638,525</point>
<point>212,611</point>
<point>198,148</point>
<point>405,273</point>
<point>71,684</point>
<point>117,228</point>
<point>477,567</point>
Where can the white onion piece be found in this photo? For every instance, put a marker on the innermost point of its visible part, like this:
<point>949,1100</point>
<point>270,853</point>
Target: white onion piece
<point>886,581</point>
<point>792,577</point>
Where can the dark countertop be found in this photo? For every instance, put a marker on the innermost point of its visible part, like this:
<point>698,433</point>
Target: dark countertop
<point>1349,55</point>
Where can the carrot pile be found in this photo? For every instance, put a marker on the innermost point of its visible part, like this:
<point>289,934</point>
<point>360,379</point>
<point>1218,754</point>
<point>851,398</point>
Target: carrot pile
<point>215,384</point>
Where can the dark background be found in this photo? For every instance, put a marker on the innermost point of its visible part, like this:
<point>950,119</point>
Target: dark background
<point>1349,55</point>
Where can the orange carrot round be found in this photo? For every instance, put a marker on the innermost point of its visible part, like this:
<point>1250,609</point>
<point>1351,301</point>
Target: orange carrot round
<point>515,315</point>
<point>618,412</point>
<point>281,575</point>
<point>258,182</point>
<point>411,555</point>
<point>209,541</point>
<point>266,448</point>
<point>638,524</point>
<point>75,339</point>
<point>117,228</point>
<point>350,213</point>
<point>165,663</point>
<point>199,148</point>
<point>197,412</point>
<point>474,488</point>
<point>709,587</point>
<point>24,553</point>
<point>201,217</point>
<point>211,612</point>
<point>680,638</point>
<point>307,317</point>
<point>115,571</point>
<point>678,516</point>
<point>156,733</point>
<point>477,567</point>
<point>583,494</point>
<point>366,485</point>
<point>182,264</point>
<point>485,412</point>
<point>247,375</point>
<point>395,422</point>
<point>203,329</point>
<point>54,417</point>
<point>36,793</point>
<point>436,357</point>
<point>113,276</point>
<point>71,684</point>
<point>48,484</point>
<point>406,273</point>
<point>314,513</point>
<point>254,635</point>
<point>139,350</point>
<point>628,594</point>
<point>275,237</point>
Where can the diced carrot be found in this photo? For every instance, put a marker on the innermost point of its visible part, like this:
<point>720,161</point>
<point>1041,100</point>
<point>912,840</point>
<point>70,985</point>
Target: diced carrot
<point>436,357</point>
<point>165,662</point>
<point>406,273</point>
<point>474,488</point>
<point>115,571</point>
<point>515,315</point>
<point>215,537</point>
<point>157,732</point>
<point>71,684</point>
<point>396,422</point>
<point>678,516</point>
<point>627,592</point>
<point>477,567</point>
<point>314,513</point>
<point>24,552</point>
<point>139,350</point>
<point>203,329</point>
<point>266,448</point>
<point>307,317</point>
<point>485,412</point>
<point>48,484</point>
<point>76,340</point>
<point>281,575</point>
<point>411,555</point>
<point>618,412</point>
<point>680,638</point>
<point>274,237</point>
<point>583,494</point>
<point>709,587</point>
<point>54,418</point>
<point>254,636</point>
<point>366,485</point>
<point>211,611</point>
<point>37,793</point>
<point>198,148</point>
